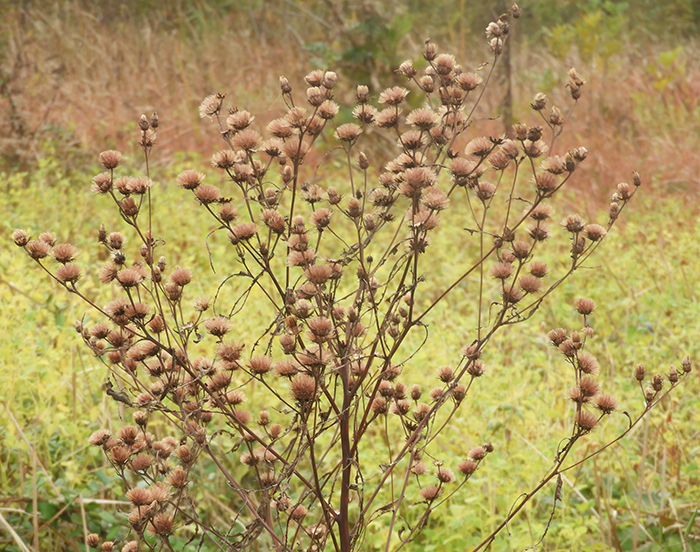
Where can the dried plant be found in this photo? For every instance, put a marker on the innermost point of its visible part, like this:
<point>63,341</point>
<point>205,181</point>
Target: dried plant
<point>345,275</point>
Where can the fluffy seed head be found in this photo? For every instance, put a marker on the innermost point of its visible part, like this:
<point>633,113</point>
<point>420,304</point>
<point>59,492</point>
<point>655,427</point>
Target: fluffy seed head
<point>110,159</point>
<point>467,467</point>
<point>586,421</point>
<point>595,232</point>
<point>430,492</point>
<point>181,276</point>
<point>606,403</point>
<point>68,273</point>
<point>210,105</point>
<point>303,387</point>
<point>538,269</point>
<point>348,132</point>
<point>584,306</point>
<point>38,249</point>
<point>64,252</point>
<point>206,194</point>
<point>393,96</point>
<point>190,179</point>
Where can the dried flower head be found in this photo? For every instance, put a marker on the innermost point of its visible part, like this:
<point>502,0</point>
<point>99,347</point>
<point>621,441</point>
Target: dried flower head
<point>429,493</point>
<point>110,159</point>
<point>585,306</point>
<point>211,105</point>
<point>393,96</point>
<point>606,403</point>
<point>586,421</point>
<point>303,387</point>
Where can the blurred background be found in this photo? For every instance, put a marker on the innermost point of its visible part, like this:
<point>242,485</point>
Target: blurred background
<point>76,75</point>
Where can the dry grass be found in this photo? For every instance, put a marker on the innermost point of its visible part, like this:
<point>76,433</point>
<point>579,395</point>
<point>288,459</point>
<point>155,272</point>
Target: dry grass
<point>75,83</point>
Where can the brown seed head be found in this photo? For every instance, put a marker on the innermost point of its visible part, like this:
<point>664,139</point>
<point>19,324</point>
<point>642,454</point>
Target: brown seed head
<point>606,403</point>
<point>102,183</point>
<point>393,96</point>
<point>37,249</point>
<point>162,525</point>
<point>206,194</point>
<point>211,105</point>
<point>467,467</point>
<point>445,374</point>
<point>68,273</point>
<point>303,387</point>
<point>64,252</point>
<point>218,326</point>
<point>585,306</point>
<point>477,453</point>
<point>348,132</point>
<point>429,493</point>
<point>190,179</point>
<point>538,269</point>
<point>586,421</point>
<point>110,159</point>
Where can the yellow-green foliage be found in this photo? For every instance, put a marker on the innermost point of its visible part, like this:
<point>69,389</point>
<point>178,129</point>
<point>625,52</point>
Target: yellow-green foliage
<point>53,399</point>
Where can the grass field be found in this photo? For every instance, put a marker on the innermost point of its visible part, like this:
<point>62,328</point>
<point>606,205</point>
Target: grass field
<point>641,110</point>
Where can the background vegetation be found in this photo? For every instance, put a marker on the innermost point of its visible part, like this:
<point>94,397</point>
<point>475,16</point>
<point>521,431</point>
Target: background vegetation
<point>74,78</point>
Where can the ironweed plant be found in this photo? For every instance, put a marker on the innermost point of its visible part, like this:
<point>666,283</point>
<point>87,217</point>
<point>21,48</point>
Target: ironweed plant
<point>345,275</point>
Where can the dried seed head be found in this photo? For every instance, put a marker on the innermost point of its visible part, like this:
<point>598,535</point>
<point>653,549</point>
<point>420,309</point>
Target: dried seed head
<point>445,374</point>
<point>64,252</point>
<point>587,363</point>
<point>299,512</point>
<point>546,183</point>
<point>247,140</point>
<point>540,101</point>
<point>285,85</point>
<point>177,478</point>
<point>585,306</point>
<point>657,382</point>
<point>393,96</point>
<point>429,493</point>
<point>206,194</point>
<point>639,372</point>
<point>467,467</point>
<point>534,148</point>
<point>586,421</point>
<point>239,120</point>
<point>574,223</point>
<point>218,326</point>
<point>557,337</point>
<point>38,249</point>
<point>530,284</point>
<point>181,276</point>
<point>303,387</point>
<point>68,273</point>
<point>241,232</point>
<point>260,365</point>
<point>501,270</point>
<point>211,105</point>
<point>445,475</point>
<point>606,403</point>
<point>477,453</point>
<point>161,525</point>
<point>110,159</point>
<point>538,269</point>
<point>348,132</point>
<point>554,165</point>
<point>687,364</point>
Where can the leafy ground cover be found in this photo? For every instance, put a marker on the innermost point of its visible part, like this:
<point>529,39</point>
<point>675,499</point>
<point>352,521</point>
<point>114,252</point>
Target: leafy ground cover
<point>647,312</point>
<point>642,112</point>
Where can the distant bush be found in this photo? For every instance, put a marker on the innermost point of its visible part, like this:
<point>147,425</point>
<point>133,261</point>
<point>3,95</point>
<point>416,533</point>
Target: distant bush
<point>340,283</point>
